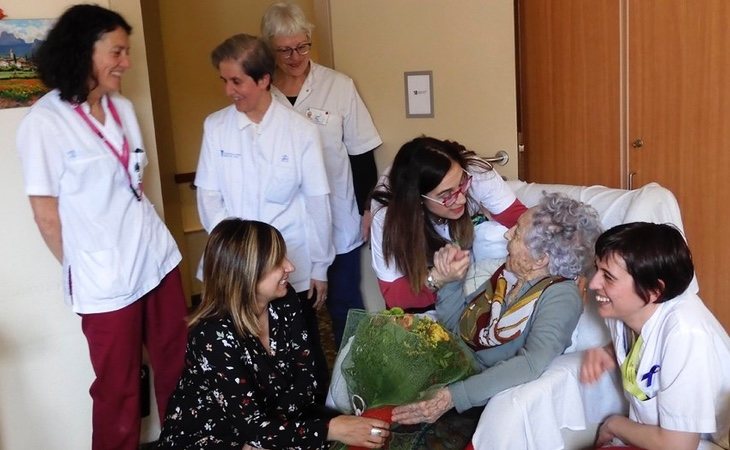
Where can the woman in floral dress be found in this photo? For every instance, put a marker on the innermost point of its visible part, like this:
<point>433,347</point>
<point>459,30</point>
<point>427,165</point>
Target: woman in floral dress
<point>249,374</point>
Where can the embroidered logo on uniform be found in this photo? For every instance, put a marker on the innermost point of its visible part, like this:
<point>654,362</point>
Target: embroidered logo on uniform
<point>284,158</point>
<point>225,154</point>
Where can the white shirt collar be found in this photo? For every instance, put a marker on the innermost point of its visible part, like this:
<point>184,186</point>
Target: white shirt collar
<point>244,121</point>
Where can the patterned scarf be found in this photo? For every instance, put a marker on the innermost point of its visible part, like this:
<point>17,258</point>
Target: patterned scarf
<point>488,321</point>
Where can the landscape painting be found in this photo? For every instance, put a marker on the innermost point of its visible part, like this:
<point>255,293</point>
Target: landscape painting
<point>19,82</point>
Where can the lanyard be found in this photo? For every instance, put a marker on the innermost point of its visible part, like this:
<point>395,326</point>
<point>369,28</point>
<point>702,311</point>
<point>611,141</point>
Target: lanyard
<point>123,156</point>
<point>629,371</point>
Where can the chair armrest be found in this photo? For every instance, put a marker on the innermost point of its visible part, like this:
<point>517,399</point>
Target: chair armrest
<point>530,416</point>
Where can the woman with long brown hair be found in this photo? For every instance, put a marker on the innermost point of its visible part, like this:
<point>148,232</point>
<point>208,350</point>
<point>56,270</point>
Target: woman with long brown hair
<point>436,192</point>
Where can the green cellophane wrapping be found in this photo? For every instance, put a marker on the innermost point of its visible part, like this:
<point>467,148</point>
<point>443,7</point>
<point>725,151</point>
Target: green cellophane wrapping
<point>398,358</point>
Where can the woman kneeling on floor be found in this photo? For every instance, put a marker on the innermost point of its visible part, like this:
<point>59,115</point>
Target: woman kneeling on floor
<point>249,371</point>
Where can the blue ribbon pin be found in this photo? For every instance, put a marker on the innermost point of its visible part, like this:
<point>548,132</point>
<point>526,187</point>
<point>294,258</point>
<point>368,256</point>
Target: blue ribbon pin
<point>650,374</point>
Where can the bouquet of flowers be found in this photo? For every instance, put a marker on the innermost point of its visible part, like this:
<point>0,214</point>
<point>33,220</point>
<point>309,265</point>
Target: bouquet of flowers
<point>396,358</point>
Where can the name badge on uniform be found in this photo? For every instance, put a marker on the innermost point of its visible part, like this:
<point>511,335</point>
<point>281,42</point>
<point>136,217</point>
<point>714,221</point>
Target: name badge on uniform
<point>318,116</point>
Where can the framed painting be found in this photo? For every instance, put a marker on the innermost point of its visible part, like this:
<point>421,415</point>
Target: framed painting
<point>19,82</point>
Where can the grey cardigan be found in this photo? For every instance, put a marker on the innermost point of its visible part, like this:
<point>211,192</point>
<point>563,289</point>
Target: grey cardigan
<point>547,334</point>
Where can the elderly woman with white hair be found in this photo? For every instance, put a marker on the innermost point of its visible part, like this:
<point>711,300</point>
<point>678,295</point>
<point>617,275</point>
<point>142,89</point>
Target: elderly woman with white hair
<point>524,316</point>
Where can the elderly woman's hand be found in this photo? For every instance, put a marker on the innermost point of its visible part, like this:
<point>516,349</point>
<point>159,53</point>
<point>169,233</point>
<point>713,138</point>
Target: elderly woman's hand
<point>425,411</point>
<point>450,263</point>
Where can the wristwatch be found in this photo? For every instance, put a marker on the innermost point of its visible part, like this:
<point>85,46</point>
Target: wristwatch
<point>431,282</point>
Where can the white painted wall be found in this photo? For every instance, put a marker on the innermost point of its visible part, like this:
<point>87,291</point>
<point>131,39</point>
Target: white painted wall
<point>44,366</point>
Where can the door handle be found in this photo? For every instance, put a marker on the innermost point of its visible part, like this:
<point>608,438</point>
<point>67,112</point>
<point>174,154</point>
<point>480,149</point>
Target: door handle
<point>631,179</point>
<point>500,158</point>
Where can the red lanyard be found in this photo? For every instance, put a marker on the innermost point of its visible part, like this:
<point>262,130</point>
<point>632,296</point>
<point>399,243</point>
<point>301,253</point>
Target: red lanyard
<point>123,156</point>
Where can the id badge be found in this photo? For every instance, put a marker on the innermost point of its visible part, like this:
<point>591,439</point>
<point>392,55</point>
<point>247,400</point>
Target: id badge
<point>318,116</point>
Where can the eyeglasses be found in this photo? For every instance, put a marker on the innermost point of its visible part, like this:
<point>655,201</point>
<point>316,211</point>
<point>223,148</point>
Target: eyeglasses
<point>449,200</point>
<point>301,49</point>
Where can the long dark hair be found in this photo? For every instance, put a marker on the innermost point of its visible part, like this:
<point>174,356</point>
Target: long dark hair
<point>409,236</point>
<point>64,59</point>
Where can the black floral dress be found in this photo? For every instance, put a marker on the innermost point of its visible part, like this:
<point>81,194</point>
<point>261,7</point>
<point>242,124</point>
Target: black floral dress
<point>232,392</point>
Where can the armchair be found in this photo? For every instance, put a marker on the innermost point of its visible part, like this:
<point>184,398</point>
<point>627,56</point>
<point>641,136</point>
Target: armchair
<point>555,408</point>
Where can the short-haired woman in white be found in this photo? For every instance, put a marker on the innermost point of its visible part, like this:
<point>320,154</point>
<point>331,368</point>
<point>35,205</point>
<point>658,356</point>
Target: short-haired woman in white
<point>673,354</point>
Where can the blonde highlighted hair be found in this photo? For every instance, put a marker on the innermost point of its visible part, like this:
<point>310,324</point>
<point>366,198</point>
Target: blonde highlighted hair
<point>238,254</point>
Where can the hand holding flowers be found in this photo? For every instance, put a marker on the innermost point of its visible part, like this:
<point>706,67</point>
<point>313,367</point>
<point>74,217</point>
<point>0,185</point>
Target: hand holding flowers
<point>428,411</point>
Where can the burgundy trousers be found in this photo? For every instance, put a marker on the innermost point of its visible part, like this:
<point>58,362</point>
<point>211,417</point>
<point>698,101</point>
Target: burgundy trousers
<point>115,338</point>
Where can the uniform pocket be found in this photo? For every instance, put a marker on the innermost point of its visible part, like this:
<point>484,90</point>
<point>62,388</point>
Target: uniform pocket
<point>282,184</point>
<point>96,274</point>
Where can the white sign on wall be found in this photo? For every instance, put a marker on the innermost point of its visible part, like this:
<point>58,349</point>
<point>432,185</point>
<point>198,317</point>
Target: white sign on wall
<point>419,94</point>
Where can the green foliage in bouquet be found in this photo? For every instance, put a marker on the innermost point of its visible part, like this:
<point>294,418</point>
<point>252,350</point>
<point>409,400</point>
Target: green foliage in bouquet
<point>398,358</point>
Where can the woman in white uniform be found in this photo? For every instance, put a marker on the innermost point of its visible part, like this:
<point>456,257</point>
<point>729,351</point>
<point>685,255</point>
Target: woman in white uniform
<point>436,192</point>
<point>83,157</point>
<point>673,354</point>
<point>262,161</point>
<point>330,100</point>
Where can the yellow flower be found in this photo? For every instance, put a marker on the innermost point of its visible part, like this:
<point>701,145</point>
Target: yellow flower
<point>438,334</point>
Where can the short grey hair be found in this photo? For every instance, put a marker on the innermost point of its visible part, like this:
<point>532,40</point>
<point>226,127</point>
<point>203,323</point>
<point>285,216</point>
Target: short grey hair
<point>252,53</point>
<point>284,19</point>
<point>566,231</point>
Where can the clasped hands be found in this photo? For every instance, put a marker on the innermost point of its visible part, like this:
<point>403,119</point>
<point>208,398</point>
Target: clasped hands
<point>450,263</point>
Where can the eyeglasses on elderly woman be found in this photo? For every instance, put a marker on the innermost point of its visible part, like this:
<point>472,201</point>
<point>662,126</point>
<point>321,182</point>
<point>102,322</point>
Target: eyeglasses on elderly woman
<point>449,199</point>
<point>301,49</point>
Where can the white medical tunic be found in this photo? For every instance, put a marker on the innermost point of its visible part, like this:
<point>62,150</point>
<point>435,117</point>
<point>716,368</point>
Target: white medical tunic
<point>267,172</point>
<point>115,248</point>
<point>492,195</point>
<point>330,100</point>
<point>684,370</point>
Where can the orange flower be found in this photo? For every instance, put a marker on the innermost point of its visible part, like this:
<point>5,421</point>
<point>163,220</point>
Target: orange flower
<point>2,14</point>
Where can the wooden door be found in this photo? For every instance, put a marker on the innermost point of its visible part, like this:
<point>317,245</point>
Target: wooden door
<point>569,94</point>
<point>679,107</point>
<point>675,99</point>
